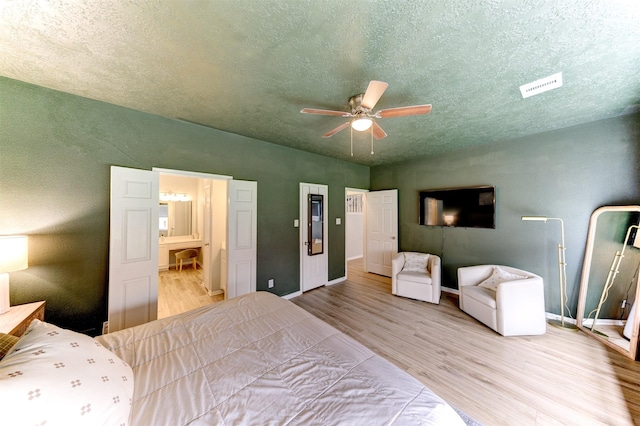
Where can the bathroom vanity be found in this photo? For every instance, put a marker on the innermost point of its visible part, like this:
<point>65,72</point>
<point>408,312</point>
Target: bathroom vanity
<point>172,244</point>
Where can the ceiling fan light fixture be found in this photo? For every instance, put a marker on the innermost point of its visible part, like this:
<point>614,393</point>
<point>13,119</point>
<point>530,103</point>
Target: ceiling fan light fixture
<point>361,124</point>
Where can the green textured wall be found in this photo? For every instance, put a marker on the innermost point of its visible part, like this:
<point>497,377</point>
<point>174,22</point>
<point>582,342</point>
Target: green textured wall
<point>566,173</point>
<point>55,154</point>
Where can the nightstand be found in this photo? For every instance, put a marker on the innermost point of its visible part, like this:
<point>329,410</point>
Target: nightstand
<point>19,317</point>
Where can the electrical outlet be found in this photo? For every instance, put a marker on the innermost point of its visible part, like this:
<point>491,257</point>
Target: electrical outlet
<point>271,283</point>
<point>105,327</point>
<point>624,303</point>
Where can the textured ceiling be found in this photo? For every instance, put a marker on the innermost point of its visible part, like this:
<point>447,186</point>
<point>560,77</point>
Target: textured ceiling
<point>249,66</point>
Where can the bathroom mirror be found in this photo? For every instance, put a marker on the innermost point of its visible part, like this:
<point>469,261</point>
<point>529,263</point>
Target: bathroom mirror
<point>315,244</point>
<point>609,283</point>
<point>175,218</point>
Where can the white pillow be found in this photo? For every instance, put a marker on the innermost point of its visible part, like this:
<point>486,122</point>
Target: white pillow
<point>415,262</point>
<point>54,376</point>
<point>499,276</point>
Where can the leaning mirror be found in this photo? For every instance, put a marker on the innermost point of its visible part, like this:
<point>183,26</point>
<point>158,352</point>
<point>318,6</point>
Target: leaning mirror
<point>609,283</point>
<point>315,243</point>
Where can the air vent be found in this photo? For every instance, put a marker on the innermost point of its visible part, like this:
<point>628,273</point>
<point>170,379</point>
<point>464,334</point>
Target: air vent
<point>543,85</point>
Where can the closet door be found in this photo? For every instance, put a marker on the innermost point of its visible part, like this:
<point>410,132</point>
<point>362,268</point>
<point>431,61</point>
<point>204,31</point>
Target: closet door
<point>382,230</point>
<point>241,238</point>
<point>133,247</point>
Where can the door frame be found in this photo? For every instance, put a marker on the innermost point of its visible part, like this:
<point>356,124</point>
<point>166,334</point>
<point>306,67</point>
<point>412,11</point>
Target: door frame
<point>204,176</point>
<point>364,227</point>
<point>154,240</point>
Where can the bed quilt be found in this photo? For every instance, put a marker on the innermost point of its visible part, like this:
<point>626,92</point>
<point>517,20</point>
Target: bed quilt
<point>260,359</point>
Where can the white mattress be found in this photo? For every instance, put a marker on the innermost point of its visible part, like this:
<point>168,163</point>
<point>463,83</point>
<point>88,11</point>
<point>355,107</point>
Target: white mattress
<point>260,359</point>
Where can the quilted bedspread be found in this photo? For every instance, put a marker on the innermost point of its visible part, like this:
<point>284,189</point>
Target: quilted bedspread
<point>260,359</point>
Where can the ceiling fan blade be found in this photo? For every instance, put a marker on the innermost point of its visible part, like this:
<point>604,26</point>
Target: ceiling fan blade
<point>373,93</point>
<point>378,133</point>
<point>402,111</point>
<point>336,130</point>
<point>325,112</point>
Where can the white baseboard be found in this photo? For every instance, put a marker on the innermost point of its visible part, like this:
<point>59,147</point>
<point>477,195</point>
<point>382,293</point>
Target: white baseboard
<point>354,257</point>
<point>450,290</point>
<point>299,293</point>
<point>589,322</point>
<point>551,316</point>
<point>337,281</point>
<point>292,295</point>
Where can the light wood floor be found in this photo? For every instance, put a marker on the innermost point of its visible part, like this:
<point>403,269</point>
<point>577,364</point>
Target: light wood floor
<point>182,291</point>
<point>560,378</point>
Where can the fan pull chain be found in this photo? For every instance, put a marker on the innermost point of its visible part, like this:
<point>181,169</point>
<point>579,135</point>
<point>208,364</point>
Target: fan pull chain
<point>371,131</point>
<point>351,140</point>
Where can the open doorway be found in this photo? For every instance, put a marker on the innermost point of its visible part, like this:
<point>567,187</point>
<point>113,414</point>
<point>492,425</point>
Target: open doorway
<point>192,218</point>
<point>355,224</point>
<point>371,230</point>
<point>134,242</point>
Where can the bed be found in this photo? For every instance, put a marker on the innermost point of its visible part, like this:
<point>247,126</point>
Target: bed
<point>256,359</point>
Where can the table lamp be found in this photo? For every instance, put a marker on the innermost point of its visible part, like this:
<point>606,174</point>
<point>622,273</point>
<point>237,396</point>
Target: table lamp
<point>14,256</point>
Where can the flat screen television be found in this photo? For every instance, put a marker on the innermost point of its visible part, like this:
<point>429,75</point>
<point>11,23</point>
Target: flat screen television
<point>471,207</point>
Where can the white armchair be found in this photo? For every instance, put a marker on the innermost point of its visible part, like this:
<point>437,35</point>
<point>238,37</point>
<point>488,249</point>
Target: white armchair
<point>507,300</point>
<point>416,276</point>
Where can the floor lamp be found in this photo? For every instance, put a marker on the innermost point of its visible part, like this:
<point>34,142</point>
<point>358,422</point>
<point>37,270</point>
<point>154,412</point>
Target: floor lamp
<point>611,277</point>
<point>562,273</point>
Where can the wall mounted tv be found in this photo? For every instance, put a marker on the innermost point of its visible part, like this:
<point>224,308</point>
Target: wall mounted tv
<point>471,207</point>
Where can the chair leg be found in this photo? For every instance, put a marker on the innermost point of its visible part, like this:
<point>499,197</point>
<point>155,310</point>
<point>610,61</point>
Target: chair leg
<point>194,264</point>
<point>180,265</point>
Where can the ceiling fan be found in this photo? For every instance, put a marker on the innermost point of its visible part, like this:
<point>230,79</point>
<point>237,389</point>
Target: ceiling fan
<point>362,117</point>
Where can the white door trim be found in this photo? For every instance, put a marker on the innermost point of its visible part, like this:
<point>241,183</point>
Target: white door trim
<point>190,174</point>
<point>203,178</point>
<point>364,231</point>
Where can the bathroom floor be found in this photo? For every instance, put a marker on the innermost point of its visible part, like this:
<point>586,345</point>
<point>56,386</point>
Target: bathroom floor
<point>182,291</point>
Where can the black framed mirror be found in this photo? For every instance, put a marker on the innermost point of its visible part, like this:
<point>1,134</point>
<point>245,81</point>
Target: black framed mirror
<point>315,234</point>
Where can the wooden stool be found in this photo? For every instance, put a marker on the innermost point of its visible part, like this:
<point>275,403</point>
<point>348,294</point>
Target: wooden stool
<point>186,254</point>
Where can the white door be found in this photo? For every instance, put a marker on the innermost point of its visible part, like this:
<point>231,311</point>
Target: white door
<point>133,247</point>
<point>314,270</point>
<point>241,238</point>
<point>206,238</point>
<point>382,230</point>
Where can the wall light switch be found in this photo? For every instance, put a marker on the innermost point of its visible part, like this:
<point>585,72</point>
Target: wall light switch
<point>296,223</point>
<point>338,221</point>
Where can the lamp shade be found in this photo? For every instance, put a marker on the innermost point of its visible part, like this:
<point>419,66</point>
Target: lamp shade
<point>361,124</point>
<point>536,218</point>
<point>14,253</point>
